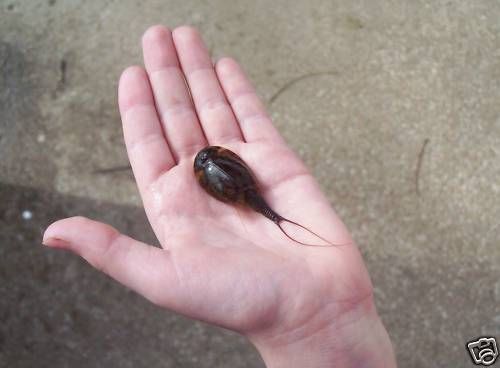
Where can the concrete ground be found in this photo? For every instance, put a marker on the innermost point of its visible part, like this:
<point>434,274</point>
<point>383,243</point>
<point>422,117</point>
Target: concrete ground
<point>393,104</point>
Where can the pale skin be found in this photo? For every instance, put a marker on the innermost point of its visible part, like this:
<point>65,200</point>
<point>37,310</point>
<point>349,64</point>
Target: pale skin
<point>300,306</point>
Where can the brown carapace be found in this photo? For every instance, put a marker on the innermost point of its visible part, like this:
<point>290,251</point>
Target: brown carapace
<point>225,176</point>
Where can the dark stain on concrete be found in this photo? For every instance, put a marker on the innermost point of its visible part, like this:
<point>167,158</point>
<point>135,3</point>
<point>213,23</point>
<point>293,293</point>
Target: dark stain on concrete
<point>19,98</point>
<point>62,67</point>
<point>354,23</point>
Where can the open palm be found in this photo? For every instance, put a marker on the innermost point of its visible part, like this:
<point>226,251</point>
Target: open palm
<point>219,263</point>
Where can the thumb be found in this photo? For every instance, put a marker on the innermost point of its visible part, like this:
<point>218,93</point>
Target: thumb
<point>141,267</point>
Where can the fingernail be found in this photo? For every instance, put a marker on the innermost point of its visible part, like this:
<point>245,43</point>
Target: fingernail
<point>55,242</point>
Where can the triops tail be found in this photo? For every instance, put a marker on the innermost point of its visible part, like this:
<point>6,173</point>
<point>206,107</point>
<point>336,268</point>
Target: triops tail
<point>258,203</point>
<point>328,243</point>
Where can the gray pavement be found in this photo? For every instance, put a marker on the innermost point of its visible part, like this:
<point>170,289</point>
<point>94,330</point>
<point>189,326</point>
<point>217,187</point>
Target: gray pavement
<point>393,104</point>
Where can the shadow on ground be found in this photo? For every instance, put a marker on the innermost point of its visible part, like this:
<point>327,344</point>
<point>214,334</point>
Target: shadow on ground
<point>58,311</point>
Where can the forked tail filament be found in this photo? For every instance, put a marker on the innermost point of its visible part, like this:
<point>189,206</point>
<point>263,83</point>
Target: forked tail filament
<point>329,244</point>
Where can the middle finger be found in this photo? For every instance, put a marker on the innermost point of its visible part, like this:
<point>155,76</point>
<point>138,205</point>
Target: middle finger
<point>180,122</point>
<point>215,114</point>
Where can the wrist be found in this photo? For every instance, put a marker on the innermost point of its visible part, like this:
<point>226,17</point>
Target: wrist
<point>355,339</point>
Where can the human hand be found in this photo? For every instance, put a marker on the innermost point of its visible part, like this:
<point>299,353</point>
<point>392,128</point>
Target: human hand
<point>300,306</point>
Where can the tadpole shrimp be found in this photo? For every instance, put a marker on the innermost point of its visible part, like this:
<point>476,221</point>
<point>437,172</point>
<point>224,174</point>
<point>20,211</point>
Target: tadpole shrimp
<point>225,176</point>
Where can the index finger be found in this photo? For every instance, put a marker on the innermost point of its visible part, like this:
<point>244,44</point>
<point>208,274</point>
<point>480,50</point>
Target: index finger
<point>147,149</point>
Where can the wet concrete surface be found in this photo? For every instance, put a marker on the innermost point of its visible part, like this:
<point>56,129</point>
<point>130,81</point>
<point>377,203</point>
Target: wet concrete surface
<point>394,106</point>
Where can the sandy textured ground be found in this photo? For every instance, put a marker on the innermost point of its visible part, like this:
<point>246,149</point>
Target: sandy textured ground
<point>394,105</point>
